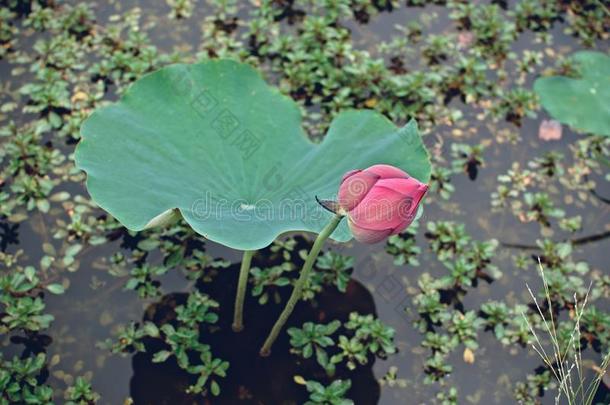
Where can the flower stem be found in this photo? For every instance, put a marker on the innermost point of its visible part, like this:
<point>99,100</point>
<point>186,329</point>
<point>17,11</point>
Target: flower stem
<point>300,284</point>
<point>238,317</point>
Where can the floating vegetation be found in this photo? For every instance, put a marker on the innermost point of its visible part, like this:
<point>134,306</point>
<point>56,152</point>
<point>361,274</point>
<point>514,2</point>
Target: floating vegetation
<point>511,138</point>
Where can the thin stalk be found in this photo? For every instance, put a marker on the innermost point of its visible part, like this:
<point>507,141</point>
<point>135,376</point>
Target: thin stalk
<point>300,284</point>
<point>558,363</point>
<point>601,370</point>
<point>238,316</point>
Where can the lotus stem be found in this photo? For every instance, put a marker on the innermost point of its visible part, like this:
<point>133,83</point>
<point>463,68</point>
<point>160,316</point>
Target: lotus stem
<point>242,284</point>
<point>297,292</point>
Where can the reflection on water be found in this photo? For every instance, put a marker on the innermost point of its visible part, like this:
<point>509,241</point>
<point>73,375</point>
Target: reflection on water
<point>251,378</point>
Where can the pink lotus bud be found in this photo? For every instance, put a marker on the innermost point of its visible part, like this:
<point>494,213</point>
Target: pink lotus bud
<point>379,201</point>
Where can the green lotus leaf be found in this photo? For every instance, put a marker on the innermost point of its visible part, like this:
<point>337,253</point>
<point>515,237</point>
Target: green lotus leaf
<point>215,142</point>
<point>583,102</point>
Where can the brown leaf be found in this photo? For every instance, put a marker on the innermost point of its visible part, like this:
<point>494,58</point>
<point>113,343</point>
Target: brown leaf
<point>370,103</point>
<point>549,130</point>
<point>78,96</point>
<point>468,356</point>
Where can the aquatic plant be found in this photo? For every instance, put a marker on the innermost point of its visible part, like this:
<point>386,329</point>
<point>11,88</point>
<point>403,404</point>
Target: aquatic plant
<point>379,201</point>
<point>65,263</point>
<point>241,199</point>
<point>564,358</point>
<point>581,101</point>
<point>314,338</point>
<point>81,393</point>
<point>332,394</point>
<point>233,185</point>
<point>19,381</point>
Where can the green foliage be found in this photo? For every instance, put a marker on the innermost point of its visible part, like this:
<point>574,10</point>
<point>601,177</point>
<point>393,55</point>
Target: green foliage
<point>528,392</point>
<point>360,338</point>
<point>22,307</point>
<point>129,338</point>
<point>497,316</point>
<point>467,159</point>
<point>81,393</point>
<point>581,102</point>
<point>516,104</point>
<point>541,208</point>
<point>25,313</point>
<point>436,368</point>
<point>334,394</point>
<point>448,398</point>
<point>533,193</point>
<point>7,31</point>
<point>377,337</point>
<point>447,239</point>
<point>403,246</point>
<point>142,280</point>
<point>595,326</point>
<point>180,8</point>
<point>428,303</point>
<point>334,269</point>
<point>61,61</point>
<point>370,336</point>
<point>314,338</point>
<point>466,260</point>
<point>443,344</point>
<point>197,310</point>
<point>267,280</point>
<point>183,341</point>
<point>184,344</point>
<point>464,327</point>
<point>493,35</point>
<point>19,381</point>
<point>440,182</point>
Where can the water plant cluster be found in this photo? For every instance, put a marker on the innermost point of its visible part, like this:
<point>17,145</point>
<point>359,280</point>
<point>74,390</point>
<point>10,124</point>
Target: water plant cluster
<point>463,70</point>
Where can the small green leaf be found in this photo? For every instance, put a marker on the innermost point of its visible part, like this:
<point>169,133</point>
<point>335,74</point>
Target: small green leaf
<point>215,388</point>
<point>56,288</point>
<point>175,258</point>
<point>30,272</point>
<point>151,329</point>
<point>43,205</point>
<point>59,197</point>
<point>97,240</point>
<point>148,244</point>
<point>48,249</point>
<point>73,250</point>
<point>161,356</point>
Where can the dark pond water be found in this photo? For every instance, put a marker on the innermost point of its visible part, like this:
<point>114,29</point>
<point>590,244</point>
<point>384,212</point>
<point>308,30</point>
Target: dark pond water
<point>86,315</point>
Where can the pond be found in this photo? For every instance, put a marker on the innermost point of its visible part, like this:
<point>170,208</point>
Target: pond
<point>500,196</point>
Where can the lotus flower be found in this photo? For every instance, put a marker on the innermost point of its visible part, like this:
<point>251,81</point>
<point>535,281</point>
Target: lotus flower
<point>379,201</point>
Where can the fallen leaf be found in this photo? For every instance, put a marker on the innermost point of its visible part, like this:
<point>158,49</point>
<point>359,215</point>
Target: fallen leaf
<point>370,103</point>
<point>549,130</point>
<point>78,96</point>
<point>468,356</point>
